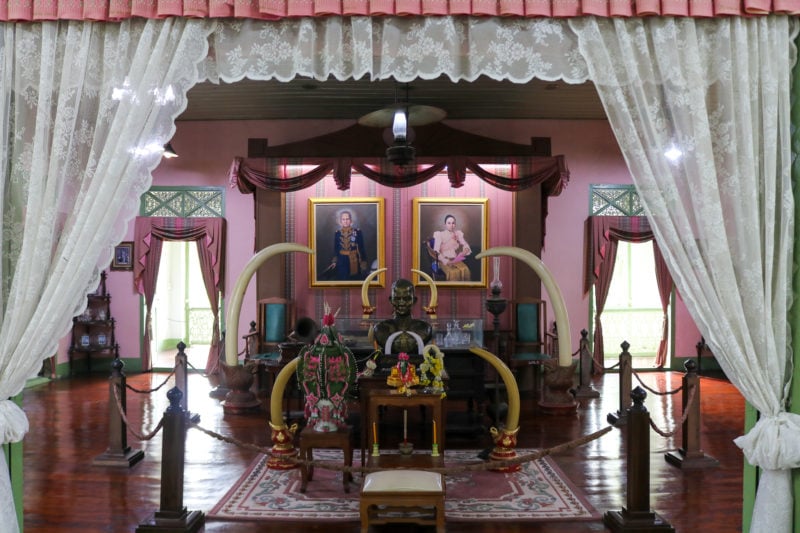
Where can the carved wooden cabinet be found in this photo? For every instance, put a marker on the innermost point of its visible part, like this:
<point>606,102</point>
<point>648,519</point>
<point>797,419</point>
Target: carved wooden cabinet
<point>93,331</point>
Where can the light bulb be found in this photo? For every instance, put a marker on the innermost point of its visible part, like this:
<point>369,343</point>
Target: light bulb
<point>400,125</point>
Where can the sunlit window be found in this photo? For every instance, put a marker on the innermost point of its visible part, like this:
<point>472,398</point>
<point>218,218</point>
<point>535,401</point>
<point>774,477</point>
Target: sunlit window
<point>633,308</point>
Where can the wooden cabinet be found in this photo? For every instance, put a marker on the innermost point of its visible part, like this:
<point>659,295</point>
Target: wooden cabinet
<point>93,331</point>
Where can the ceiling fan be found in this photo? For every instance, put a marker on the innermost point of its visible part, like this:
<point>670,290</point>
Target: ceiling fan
<point>400,116</point>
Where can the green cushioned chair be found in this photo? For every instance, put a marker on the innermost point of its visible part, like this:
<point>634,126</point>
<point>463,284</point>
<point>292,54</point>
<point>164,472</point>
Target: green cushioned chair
<point>530,346</point>
<point>271,329</point>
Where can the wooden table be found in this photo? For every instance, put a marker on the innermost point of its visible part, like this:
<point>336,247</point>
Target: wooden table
<point>385,397</point>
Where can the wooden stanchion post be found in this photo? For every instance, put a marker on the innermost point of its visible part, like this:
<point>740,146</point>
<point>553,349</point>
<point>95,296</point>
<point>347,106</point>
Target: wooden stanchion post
<point>585,389</point>
<point>118,452</point>
<point>181,375</point>
<point>172,516</point>
<point>620,418</point>
<point>691,455</point>
<point>637,516</point>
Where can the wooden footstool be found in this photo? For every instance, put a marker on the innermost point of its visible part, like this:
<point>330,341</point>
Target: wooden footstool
<point>310,439</point>
<point>390,496</point>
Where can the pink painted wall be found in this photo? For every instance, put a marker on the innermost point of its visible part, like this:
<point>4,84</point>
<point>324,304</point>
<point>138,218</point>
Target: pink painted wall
<point>207,148</point>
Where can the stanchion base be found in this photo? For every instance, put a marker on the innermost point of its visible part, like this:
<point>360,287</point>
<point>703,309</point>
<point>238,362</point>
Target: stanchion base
<point>617,419</point>
<point>239,402</point>
<point>587,392</point>
<point>637,523</point>
<point>126,458</point>
<point>219,392</point>
<point>553,408</point>
<point>691,461</point>
<point>188,522</point>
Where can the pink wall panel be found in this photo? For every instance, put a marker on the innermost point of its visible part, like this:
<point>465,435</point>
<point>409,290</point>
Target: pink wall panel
<point>207,148</point>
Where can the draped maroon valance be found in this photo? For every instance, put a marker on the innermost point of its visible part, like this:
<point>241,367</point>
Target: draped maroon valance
<point>439,147</point>
<point>550,172</point>
<point>115,10</point>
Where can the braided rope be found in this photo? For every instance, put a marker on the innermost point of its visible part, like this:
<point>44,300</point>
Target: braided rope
<point>659,393</point>
<point>121,410</point>
<point>689,402</point>
<point>150,390</point>
<point>612,367</point>
<point>490,465</point>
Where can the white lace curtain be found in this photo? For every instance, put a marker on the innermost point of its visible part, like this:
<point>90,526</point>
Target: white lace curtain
<point>86,107</point>
<point>85,110</point>
<point>717,91</point>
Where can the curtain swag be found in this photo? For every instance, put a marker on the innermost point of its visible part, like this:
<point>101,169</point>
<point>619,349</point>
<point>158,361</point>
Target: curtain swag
<point>550,172</point>
<point>115,10</point>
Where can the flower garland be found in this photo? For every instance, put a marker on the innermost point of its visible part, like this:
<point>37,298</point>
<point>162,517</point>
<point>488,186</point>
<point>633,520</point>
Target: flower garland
<point>433,363</point>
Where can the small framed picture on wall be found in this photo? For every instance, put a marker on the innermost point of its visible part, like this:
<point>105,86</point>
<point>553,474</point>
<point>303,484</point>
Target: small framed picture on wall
<point>447,235</point>
<point>123,256</point>
<point>348,237</point>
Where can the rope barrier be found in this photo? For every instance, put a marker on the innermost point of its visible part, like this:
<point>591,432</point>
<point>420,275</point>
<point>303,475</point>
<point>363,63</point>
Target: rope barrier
<point>689,402</point>
<point>612,367</point>
<point>151,390</point>
<point>659,393</point>
<point>486,465</point>
<point>125,419</point>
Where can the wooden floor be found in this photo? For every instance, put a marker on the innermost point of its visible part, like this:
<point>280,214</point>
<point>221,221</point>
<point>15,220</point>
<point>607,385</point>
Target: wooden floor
<point>69,425</point>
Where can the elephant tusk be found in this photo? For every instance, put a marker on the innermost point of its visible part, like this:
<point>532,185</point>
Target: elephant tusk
<point>235,304</point>
<point>432,284</point>
<point>365,287</point>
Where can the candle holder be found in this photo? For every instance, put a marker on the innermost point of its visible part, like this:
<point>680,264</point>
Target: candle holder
<point>496,306</point>
<point>406,447</point>
<point>434,450</point>
<point>376,451</point>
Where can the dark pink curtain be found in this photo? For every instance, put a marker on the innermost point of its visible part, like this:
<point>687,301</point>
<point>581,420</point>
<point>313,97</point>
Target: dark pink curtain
<point>602,235</point>
<point>149,234</point>
<point>665,284</point>
<point>114,10</point>
<point>605,272</point>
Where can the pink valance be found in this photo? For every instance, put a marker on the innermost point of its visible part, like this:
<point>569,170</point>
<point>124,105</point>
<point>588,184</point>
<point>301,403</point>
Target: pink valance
<point>211,230</point>
<point>549,172</point>
<point>115,10</point>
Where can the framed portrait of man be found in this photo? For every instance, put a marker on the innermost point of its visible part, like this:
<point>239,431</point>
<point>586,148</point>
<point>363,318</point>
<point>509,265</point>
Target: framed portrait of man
<point>447,235</point>
<point>347,235</point>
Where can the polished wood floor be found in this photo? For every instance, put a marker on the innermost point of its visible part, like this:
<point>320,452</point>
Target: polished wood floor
<point>69,424</point>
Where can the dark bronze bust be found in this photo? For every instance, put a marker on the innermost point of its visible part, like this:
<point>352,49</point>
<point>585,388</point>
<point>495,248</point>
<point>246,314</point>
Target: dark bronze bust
<point>407,334</point>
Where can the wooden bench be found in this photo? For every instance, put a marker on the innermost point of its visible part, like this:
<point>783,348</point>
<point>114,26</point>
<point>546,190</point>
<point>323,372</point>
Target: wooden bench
<point>310,439</point>
<point>403,496</point>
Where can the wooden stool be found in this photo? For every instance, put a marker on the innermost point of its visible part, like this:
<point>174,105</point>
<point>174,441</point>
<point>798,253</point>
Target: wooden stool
<point>310,439</point>
<point>387,494</point>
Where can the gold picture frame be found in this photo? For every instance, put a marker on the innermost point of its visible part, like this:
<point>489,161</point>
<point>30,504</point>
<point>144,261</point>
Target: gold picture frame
<point>345,258</point>
<point>449,258</point>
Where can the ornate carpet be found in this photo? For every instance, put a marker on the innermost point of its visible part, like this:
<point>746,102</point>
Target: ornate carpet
<point>538,492</point>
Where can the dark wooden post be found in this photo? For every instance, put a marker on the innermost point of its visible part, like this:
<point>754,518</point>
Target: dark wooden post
<point>172,516</point>
<point>181,376</point>
<point>220,389</point>
<point>691,455</point>
<point>620,418</point>
<point>118,452</point>
<point>637,516</point>
<point>585,389</point>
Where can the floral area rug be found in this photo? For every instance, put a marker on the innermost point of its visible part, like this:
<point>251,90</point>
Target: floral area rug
<point>539,491</point>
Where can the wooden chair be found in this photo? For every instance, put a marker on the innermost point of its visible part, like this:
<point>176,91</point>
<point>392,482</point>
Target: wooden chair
<point>531,343</point>
<point>310,439</point>
<point>274,320</point>
<point>403,496</point>
<point>436,268</point>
